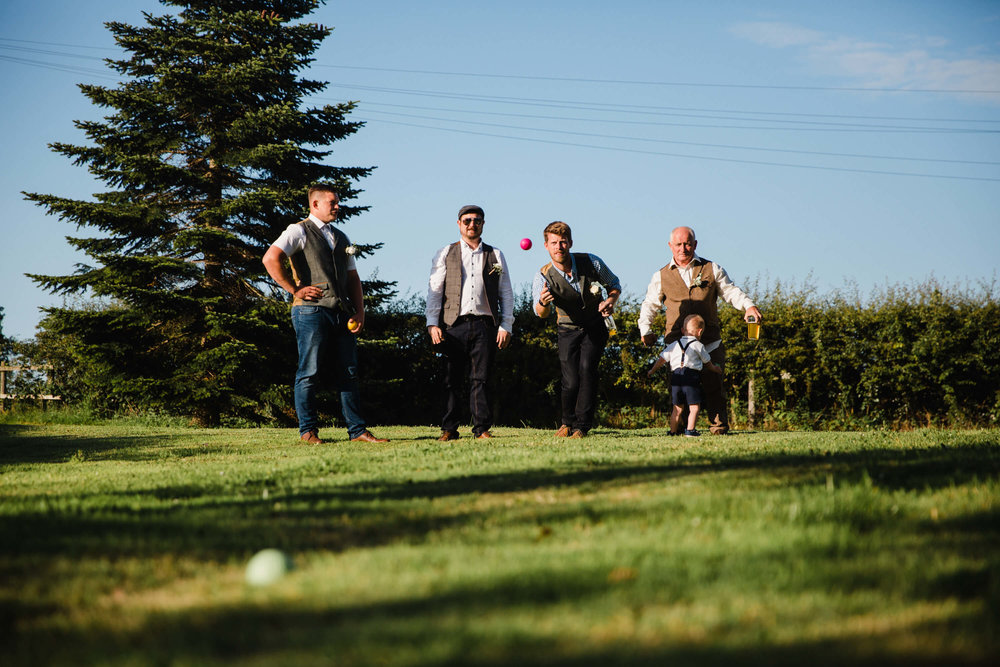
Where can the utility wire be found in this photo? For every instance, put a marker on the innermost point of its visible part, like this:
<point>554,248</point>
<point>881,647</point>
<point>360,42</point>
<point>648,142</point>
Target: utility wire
<point>72,69</point>
<point>630,109</point>
<point>754,113</point>
<point>693,157</point>
<point>527,77</point>
<point>666,83</point>
<point>583,105</point>
<point>684,143</point>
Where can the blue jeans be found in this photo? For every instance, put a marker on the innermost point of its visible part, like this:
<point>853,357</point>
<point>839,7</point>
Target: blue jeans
<point>327,350</point>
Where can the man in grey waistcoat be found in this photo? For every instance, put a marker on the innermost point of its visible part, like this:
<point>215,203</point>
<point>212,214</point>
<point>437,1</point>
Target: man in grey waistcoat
<point>470,315</point>
<point>327,298</point>
<point>572,285</point>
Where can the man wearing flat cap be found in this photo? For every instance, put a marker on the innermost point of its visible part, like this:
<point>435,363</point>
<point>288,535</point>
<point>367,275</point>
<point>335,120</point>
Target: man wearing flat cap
<point>470,315</point>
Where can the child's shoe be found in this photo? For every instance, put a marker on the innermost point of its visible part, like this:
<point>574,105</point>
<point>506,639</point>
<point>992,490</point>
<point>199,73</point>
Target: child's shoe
<point>691,432</point>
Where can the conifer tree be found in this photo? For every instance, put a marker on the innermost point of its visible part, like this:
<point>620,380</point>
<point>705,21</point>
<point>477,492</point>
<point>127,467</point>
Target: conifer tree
<point>207,151</point>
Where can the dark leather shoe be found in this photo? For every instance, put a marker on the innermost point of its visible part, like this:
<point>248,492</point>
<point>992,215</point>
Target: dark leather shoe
<point>485,435</point>
<point>563,432</point>
<point>312,437</point>
<point>578,434</point>
<point>368,437</point>
<point>448,435</point>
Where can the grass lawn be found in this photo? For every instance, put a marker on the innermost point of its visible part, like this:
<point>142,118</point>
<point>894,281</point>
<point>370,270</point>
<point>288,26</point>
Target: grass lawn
<point>127,545</point>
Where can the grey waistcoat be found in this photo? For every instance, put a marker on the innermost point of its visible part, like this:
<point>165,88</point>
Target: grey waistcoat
<point>316,265</point>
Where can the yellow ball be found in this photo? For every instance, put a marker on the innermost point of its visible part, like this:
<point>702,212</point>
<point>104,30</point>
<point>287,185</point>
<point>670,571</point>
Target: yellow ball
<point>353,325</point>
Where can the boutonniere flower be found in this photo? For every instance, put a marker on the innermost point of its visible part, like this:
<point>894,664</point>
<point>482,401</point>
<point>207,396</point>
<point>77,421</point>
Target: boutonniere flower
<point>595,289</point>
<point>698,281</point>
<point>497,269</point>
<point>351,250</point>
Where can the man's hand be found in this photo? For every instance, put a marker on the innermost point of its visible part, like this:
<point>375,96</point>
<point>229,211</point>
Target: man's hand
<point>308,293</point>
<point>437,336</point>
<point>607,307</point>
<point>752,310</point>
<point>545,300</point>
<point>503,338</point>
<point>359,318</point>
<point>649,339</point>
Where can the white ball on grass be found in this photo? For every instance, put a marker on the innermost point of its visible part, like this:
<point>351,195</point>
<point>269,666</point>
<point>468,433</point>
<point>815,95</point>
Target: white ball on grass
<point>267,566</point>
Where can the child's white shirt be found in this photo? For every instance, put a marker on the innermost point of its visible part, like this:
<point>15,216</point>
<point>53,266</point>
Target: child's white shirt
<point>694,356</point>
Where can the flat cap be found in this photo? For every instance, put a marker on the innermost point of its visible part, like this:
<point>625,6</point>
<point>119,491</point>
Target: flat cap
<point>471,208</point>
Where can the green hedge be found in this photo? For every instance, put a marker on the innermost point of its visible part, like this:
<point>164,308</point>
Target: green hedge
<point>904,357</point>
<point>925,355</point>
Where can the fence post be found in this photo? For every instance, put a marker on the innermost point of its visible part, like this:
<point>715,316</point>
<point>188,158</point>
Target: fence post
<point>751,405</point>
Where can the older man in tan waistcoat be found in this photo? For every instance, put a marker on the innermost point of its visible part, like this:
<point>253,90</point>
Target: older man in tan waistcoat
<point>690,284</point>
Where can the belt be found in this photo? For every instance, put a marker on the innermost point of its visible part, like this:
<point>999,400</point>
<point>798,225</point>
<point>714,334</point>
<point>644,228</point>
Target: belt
<point>472,318</point>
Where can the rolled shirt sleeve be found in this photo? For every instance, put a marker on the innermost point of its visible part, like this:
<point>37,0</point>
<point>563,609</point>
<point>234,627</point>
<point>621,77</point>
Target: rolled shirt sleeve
<point>506,296</point>
<point>651,305</point>
<point>293,241</point>
<point>435,289</point>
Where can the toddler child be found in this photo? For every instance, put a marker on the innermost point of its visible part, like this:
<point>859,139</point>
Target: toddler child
<point>686,357</point>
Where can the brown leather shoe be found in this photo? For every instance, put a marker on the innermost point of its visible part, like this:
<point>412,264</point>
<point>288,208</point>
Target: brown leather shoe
<point>368,437</point>
<point>578,434</point>
<point>312,437</point>
<point>485,435</point>
<point>448,435</point>
<point>563,431</point>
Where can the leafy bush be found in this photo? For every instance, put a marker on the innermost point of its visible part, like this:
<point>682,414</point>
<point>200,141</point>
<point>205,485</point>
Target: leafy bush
<point>907,356</point>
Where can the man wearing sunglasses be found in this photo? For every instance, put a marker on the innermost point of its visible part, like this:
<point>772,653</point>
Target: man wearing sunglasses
<point>470,315</point>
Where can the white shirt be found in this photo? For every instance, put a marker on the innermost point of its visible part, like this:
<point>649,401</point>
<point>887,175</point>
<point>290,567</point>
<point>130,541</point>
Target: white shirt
<point>651,305</point>
<point>695,356</point>
<point>473,290</point>
<point>293,240</point>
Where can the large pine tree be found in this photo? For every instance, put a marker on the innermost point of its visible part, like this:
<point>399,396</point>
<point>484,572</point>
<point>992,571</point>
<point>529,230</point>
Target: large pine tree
<point>207,152</point>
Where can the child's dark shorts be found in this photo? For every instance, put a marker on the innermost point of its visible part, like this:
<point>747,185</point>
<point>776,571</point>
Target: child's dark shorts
<point>685,386</point>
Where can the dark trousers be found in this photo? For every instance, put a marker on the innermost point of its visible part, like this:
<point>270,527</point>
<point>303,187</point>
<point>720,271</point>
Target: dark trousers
<point>715,405</point>
<point>580,356</point>
<point>470,345</point>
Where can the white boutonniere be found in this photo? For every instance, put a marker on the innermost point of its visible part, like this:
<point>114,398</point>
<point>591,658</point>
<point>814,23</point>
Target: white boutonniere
<point>595,289</point>
<point>351,250</point>
<point>497,269</point>
<point>698,281</point>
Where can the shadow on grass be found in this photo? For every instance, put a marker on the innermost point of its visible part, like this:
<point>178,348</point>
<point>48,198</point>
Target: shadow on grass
<point>463,626</point>
<point>34,444</point>
<point>220,519</point>
<point>214,519</point>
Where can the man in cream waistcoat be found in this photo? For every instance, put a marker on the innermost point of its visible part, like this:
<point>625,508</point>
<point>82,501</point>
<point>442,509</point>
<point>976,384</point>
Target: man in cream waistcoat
<point>327,294</point>
<point>470,315</point>
<point>690,284</point>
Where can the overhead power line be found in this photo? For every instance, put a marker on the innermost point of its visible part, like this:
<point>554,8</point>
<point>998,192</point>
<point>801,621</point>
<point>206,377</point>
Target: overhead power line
<point>693,157</point>
<point>693,84</point>
<point>686,143</point>
<point>646,110</point>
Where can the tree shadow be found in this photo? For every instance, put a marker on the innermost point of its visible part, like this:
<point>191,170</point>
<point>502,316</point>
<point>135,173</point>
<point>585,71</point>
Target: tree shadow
<point>282,631</point>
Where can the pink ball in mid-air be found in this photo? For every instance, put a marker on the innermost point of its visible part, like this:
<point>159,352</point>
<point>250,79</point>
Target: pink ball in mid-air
<point>525,244</point>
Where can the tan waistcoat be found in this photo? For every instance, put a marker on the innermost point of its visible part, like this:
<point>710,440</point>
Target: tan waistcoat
<point>701,298</point>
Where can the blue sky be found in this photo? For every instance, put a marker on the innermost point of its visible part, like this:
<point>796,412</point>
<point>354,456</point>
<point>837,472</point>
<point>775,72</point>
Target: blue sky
<point>806,142</point>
